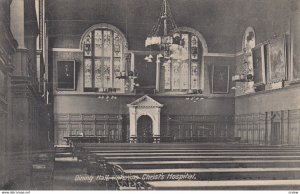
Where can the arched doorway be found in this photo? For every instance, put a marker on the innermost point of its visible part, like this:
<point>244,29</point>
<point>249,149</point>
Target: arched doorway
<point>144,130</point>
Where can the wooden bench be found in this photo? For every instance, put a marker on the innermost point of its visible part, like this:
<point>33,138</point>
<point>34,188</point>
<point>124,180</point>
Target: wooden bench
<point>188,150</point>
<point>196,158</point>
<point>227,185</point>
<point>190,145</point>
<point>207,164</point>
<point>217,173</point>
<point>195,154</point>
<point>207,161</point>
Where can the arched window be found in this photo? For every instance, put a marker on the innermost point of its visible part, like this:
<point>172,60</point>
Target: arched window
<point>182,72</point>
<point>103,49</point>
<point>246,66</point>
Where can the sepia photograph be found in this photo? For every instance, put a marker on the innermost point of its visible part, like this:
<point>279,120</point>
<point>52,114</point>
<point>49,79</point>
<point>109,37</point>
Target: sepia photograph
<point>149,95</point>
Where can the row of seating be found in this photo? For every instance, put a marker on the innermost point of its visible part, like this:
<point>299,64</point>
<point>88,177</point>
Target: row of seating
<point>194,166</point>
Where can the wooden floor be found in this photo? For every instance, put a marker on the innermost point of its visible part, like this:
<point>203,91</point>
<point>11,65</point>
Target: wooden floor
<point>185,166</point>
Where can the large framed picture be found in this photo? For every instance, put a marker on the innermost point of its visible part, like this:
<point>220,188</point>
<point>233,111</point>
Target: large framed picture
<point>259,68</point>
<point>66,75</point>
<point>220,79</point>
<point>295,48</point>
<point>276,63</point>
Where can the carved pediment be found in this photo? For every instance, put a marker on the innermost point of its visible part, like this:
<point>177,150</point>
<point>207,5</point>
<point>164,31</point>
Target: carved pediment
<point>145,101</point>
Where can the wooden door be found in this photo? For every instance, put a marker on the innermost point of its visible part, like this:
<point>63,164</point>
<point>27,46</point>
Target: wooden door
<point>144,130</point>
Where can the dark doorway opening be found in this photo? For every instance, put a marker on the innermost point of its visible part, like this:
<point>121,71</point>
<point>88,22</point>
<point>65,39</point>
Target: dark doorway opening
<point>144,130</point>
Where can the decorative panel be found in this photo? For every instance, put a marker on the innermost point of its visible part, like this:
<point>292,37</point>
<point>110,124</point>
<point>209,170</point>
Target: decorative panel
<point>74,126</point>
<point>107,43</point>
<point>88,129</point>
<point>117,45</point>
<point>184,76</point>
<point>185,49</point>
<point>75,117</point>
<point>100,129</point>
<point>194,47</point>
<point>200,130</point>
<point>100,117</point>
<point>59,137</point>
<point>88,117</point>
<point>98,43</point>
<point>98,74</point>
<point>88,73</point>
<point>66,75</point>
<point>61,132</point>
<point>220,79</point>
<point>103,59</point>
<point>62,117</point>
<point>276,63</point>
<point>245,64</point>
<point>117,70</point>
<point>112,131</point>
<point>259,65</point>
<point>194,75</point>
<point>106,73</point>
<point>295,44</point>
<point>175,76</point>
<point>88,45</point>
<point>208,130</point>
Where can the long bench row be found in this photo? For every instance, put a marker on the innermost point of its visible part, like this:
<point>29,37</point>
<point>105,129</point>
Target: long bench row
<point>166,164</point>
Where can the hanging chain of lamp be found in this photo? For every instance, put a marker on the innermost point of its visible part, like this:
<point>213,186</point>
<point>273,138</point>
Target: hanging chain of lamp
<point>163,35</point>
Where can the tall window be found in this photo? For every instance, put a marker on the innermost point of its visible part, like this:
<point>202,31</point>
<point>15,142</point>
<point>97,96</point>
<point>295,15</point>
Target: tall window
<point>103,60</point>
<point>182,72</point>
<point>246,66</point>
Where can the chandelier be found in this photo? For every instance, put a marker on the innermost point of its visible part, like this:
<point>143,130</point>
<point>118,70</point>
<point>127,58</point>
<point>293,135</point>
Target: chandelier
<point>163,35</point>
<point>107,97</point>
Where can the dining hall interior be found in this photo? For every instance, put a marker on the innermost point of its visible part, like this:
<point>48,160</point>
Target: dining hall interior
<point>171,94</point>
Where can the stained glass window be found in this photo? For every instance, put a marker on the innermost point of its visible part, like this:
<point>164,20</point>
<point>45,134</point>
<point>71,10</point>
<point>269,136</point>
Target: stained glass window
<point>117,71</point>
<point>185,76</point>
<point>107,43</point>
<point>106,72</point>
<point>88,73</point>
<point>246,64</point>
<point>117,45</point>
<point>88,45</point>
<point>98,43</point>
<point>194,75</point>
<point>183,71</point>
<point>98,74</point>
<point>103,56</point>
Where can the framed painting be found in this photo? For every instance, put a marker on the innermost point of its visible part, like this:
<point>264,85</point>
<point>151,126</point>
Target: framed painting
<point>66,75</point>
<point>295,49</point>
<point>220,79</point>
<point>276,63</point>
<point>259,68</point>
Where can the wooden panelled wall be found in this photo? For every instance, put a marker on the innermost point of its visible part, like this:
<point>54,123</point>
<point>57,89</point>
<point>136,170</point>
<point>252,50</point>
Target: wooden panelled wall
<point>116,127</point>
<point>87,125</point>
<point>187,127</point>
<point>272,128</point>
